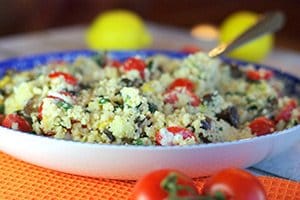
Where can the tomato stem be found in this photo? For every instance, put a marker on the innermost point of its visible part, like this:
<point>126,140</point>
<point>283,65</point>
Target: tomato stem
<point>170,184</point>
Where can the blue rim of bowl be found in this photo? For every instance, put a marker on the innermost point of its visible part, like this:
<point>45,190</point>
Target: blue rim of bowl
<point>28,62</point>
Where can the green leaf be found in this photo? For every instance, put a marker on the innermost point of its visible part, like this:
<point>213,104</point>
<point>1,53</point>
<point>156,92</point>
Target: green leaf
<point>100,59</point>
<point>103,100</point>
<point>64,105</point>
<point>139,141</point>
<point>1,108</point>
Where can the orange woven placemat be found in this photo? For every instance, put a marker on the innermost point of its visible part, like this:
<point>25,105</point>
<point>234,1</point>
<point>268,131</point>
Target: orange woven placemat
<point>19,180</point>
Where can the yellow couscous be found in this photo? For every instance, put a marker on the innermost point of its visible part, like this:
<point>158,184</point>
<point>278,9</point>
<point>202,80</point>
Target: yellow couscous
<point>153,101</point>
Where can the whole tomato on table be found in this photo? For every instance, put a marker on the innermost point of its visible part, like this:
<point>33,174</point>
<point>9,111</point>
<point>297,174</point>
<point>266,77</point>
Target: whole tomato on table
<point>235,184</point>
<point>164,184</point>
<point>228,184</point>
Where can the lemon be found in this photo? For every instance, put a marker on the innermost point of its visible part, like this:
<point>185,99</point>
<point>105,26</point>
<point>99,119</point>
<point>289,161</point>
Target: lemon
<point>118,29</point>
<point>234,25</point>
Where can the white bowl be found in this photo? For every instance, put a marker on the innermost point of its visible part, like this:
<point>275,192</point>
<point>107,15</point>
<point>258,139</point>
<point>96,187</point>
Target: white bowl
<point>130,161</point>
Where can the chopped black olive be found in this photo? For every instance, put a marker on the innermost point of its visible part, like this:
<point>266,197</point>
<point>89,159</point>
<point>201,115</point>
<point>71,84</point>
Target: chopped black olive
<point>24,115</point>
<point>100,59</point>
<point>72,92</point>
<point>230,115</point>
<point>117,93</point>
<point>191,128</point>
<point>208,97</point>
<point>206,124</point>
<point>138,106</point>
<point>152,107</point>
<point>128,140</point>
<point>118,105</point>
<point>252,107</point>
<point>84,86</point>
<point>272,102</point>
<point>2,92</point>
<point>109,134</point>
<point>204,139</point>
<point>126,82</point>
<point>139,121</point>
<point>30,106</point>
<point>235,71</point>
<point>150,124</point>
<point>143,134</point>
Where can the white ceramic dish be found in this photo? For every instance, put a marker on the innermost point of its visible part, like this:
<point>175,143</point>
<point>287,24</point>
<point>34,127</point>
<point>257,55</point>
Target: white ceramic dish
<point>131,162</point>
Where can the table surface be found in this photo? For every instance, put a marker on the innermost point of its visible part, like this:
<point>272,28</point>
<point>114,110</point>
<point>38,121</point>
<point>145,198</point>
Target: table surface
<point>285,165</point>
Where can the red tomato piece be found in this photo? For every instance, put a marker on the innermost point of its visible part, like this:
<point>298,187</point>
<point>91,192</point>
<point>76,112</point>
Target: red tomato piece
<point>186,133</point>
<point>256,75</point>
<point>253,75</point>
<point>151,186</point>
<point>64,93</point>
<point>262,126</point>
<point>1,118</point>
<point>190,49</point>
<point>62,96</point>
<point>286,112</point>
<point>175,130</point>
<point>17,122</point>
<point>67,77</point>
<point>235,184</point>
<point>135,64</point>
<point>183,83</point>
<point>115,63</point>
<point>195,99</point>
<point>171,96</point>
<point>268,74</point>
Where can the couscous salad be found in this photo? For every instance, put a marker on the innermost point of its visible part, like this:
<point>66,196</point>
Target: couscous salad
<point>153,101</point>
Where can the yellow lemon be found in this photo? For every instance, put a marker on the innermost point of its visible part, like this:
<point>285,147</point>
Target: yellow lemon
<point>234,25</point>
<point>118,29</point>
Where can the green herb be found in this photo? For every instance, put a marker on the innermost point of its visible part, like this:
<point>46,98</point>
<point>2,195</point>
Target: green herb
<point>252,107</point>
<point>235,93</point>
<point>138,141</point>
<point>150,65</point>
<point>103,100</point>
<point>1,108</point>
<point>64,105</point>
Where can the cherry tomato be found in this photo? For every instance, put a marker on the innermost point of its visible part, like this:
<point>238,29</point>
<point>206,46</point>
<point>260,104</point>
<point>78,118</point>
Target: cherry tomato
<point>162,138</point>
<point>67,77</point>
<point>183,83</point>
<point>171,96</point>
<point>256,75</point>
<point>17,122</point>
<point>262,126</point>
<point>286,112</point>
<point>152,186</point>
<point>235,184</point>
<point>135,64</point>
<point>190,49</point>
